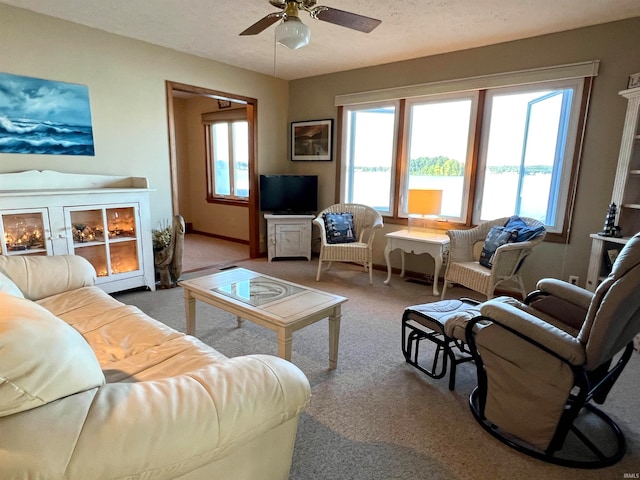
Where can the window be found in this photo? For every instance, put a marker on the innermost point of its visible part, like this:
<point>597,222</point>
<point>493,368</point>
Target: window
<point>527,153</point>
<point>228,159</point>
<point>440,141</point>
<point>370,147</point>
<point>494,152</point>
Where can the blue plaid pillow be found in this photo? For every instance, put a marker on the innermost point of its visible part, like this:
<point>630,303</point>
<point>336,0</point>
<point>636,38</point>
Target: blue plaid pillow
<point>339,227</point>
<point>497,237</point>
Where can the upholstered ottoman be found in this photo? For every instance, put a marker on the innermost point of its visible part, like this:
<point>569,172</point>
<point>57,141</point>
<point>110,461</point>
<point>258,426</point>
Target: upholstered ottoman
<point>442,323</point>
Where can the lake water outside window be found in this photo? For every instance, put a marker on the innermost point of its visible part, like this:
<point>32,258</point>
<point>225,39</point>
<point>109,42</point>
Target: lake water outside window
<point>522,156</point>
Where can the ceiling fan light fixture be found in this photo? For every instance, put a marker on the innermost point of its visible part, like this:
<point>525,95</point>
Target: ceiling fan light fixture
<point>292,33</point>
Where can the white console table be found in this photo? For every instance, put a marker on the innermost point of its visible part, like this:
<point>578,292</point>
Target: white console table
<point>418,242</point>
<point>289,235</point>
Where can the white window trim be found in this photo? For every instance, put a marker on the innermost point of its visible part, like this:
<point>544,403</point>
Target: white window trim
<point>521,77</point>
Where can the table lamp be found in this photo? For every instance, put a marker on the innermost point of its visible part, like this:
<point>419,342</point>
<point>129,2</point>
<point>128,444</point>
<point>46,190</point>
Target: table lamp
<point>424,204</point>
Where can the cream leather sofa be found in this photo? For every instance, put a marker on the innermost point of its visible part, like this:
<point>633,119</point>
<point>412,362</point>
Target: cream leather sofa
<point>94,389</point>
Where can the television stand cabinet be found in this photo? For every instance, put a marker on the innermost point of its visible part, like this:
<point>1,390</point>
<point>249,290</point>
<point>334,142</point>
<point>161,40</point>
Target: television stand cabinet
<point>288,235</point>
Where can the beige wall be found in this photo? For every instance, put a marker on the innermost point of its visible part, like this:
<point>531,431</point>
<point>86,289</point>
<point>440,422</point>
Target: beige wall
<point>613,44</point>
<point>126,81</point>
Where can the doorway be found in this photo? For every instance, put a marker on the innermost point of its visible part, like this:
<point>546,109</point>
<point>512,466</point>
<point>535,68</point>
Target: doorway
<point>178,90</point>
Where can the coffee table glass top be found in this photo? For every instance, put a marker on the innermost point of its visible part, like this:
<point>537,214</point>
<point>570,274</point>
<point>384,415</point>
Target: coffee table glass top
<point>258,290</point>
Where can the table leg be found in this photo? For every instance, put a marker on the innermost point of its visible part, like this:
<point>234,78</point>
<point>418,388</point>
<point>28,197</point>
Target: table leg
<point>284,343</point>
<point>387,251</point>
<point>334,337</point>
<point>190,312</point>
<point>402,263</point>
<point>437,261</point>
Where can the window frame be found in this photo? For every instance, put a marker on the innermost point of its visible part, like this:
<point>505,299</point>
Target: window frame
<point>474,97</point>
<point>208,124</point>
<point>571,144</point>
<point>575,138</point>
<point>346,169</point>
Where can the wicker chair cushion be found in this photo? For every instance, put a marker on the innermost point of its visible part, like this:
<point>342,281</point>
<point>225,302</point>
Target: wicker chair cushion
<point>339,227</point>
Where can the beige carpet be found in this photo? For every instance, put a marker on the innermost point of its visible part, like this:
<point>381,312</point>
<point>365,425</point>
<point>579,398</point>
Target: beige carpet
<point>376,417</point>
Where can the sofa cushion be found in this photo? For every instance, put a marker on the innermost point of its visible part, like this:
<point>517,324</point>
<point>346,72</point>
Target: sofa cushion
<point>7,286</point>
<point>339,227</point>
<point>42,358</point>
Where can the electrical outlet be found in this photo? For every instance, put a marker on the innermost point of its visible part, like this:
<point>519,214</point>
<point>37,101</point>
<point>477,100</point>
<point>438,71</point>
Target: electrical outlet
<point>574,279</point>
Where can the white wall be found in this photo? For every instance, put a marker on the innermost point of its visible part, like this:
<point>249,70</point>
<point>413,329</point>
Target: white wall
<point>126,81</point>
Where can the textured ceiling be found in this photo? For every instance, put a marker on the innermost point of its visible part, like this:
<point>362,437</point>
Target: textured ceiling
<point>409,29</point>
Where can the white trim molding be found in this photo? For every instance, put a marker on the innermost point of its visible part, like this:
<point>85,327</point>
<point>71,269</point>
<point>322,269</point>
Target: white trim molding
<point>521,77</point>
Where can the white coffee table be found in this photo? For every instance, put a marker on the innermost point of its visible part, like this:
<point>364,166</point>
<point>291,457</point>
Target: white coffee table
<point>267,301</point>
<point>418,242</point>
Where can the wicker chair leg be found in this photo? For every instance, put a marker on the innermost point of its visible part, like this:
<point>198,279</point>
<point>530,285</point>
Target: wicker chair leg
<point>444,289</point>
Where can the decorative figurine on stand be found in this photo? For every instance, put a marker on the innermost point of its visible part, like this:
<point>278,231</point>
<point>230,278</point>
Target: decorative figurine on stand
<point>610,229</point>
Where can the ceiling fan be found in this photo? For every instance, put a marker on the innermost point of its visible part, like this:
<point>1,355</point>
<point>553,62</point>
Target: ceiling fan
<point>292,33</point>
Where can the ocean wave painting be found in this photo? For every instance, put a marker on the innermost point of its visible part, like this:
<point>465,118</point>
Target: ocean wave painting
<point>44,117</point>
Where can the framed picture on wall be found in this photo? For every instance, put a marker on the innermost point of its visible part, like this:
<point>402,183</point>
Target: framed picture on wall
<point>634,81</point>
<point>312,140</point>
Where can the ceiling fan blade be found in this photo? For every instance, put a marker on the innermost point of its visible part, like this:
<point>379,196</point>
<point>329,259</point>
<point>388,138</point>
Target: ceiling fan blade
<point>263,24</point>
<point>347,19</point>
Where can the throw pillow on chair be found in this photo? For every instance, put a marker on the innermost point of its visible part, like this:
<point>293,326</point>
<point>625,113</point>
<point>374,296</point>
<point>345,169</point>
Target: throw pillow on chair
<point>339,227</point>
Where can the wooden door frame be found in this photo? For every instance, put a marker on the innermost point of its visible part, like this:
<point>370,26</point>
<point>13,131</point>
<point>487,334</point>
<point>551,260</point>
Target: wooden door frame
<point>252,118</point>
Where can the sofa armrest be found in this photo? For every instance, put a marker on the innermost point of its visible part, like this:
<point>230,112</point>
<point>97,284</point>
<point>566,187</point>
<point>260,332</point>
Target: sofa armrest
<point>177,424</point>
<point>541,332</point>
<point>39,277</point>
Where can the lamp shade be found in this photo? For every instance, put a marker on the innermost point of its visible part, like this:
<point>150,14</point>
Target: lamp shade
<point>292,33</point>
<point>424,202</point>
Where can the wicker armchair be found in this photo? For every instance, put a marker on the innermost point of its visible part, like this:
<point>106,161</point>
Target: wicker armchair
<point>464,268</point>
<point>365,222</point>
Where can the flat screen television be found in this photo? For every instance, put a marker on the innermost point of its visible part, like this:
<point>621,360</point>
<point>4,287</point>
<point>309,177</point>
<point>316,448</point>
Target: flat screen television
<point>289,194</point>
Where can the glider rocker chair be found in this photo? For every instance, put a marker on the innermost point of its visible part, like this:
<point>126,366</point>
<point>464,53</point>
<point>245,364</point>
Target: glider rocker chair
<point>470,266</point>
<point>346,235</point>
<point>543,363</point>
